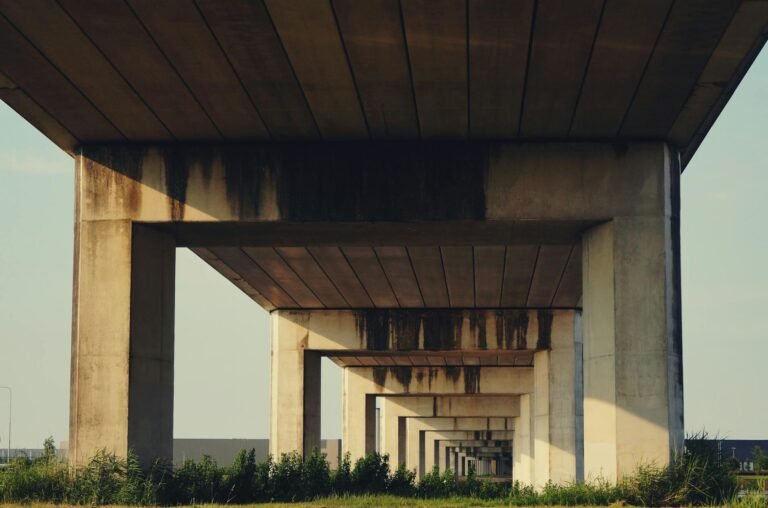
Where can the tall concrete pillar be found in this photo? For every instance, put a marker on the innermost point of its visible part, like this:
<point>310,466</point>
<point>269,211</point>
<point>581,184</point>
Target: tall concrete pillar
<point>359,418</point>
<point>554,404</point>
<point>295,387</point>
<point>522,446</point>
<point>122,341</point>
<point>633,399</point>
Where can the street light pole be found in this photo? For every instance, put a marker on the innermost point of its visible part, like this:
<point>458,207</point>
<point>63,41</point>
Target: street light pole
<point>10,409</point>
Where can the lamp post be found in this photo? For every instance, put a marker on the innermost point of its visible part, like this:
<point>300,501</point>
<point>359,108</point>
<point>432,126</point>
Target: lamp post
<point>10,409</point>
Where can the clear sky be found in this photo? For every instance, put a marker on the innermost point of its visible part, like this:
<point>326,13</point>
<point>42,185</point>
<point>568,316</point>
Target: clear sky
<point>222,337</point>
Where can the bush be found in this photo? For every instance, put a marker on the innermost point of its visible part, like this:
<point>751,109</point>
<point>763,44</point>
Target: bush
<point>403,482</point>
<point>697,476</point>
<point>371,474</point>
<point>341,479</point>
<point>286,478</point>
<point>435,485</point>
<point>316,476</point>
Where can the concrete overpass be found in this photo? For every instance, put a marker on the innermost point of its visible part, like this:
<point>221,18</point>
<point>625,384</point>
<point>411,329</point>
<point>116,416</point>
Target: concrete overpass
<point>416,185</point>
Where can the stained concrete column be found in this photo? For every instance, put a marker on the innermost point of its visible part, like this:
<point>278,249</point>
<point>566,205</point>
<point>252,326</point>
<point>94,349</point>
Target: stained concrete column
<point>554,401</point>
<point>294,387</point>
<point>122,341</point>
<point>359,416</point>
<point>633,399</point>
<point>522,446</point>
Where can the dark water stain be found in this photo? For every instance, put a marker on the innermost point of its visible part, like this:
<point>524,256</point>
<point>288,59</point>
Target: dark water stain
<point>373,325</point>
<point>477,328</point>
<point>432,374</point>
<point>453,374</point>
<point>399,329</point>
<point>442,329</point>
<point>247,171</point>
<point>382,181</point>
<point>125,160</point>
<point>178,161</point>
<point>403,376</point>
<point>420,376</point>
<point>545,329</point>
<point>512,329</point>
<point>405,326</point>
<point>380,375</point>
<point>471,379</point>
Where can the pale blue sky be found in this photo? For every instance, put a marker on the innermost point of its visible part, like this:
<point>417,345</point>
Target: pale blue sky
<point>222,337</point>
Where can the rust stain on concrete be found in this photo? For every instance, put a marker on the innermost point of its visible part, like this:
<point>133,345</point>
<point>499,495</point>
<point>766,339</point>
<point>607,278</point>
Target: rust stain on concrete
<point>545,329</point>
<point>477,329</point>
<point>471,379</point>
<point>512,329</point>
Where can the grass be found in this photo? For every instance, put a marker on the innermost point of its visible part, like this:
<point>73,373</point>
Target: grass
<point>330,502</point>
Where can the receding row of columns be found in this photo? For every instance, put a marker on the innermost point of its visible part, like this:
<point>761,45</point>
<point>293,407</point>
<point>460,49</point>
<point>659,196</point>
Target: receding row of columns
<point>623,344</point>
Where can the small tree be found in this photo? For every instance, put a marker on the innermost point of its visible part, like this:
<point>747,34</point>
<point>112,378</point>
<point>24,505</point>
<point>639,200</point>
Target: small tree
<point>760,459</point>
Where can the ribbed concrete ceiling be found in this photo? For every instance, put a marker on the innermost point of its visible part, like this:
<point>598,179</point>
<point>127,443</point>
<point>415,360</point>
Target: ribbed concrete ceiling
<point>141,70</point>
<point>466,276</point>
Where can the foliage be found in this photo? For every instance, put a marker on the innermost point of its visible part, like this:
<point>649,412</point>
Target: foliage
<point>371,474</point>
<point>697,476</point>
<point>403,482</point>
<point>759,459</point>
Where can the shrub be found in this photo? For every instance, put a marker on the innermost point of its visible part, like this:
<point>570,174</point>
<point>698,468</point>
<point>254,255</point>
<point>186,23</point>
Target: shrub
<point>435,485</point>
<point>316,476</point>
<point>697,476</point>
<point>341,479</point>
<point>286,477</point>
<point>240,478</point>
<point>403,482</point>
<point>371,474</point>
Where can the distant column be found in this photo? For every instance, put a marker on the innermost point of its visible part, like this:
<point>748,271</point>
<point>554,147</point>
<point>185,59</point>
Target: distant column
<point>555,420</point>
<point>359,416</point>
<point>295,388</point>
<point>522,448</point>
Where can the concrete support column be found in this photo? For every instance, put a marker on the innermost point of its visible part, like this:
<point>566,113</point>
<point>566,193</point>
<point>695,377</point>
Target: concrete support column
<point>359,416</point>
<point>633,399</point>
<point>522,449</point>
<point>122,341</point>
<point>295,388</point>
<point>554,400</point>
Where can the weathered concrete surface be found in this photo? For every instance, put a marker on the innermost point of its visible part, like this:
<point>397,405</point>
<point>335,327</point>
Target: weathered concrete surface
<point>394,409</point>
<point>435,442</point>
<point>556,453</point>
<point>362,382</point>
<point>633,399</point>
<point>522,451</point>
<point>404,330</point>
<point>416,426</point>
<point>295,389</point>
<point>122,342</point>
<point>379,182</point>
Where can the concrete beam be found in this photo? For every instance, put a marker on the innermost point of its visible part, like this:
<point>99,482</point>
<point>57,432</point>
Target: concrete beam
<point>371,182</point>
<point>404,330</point>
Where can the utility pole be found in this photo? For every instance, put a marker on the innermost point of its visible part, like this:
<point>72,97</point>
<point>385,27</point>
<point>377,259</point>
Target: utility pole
<point>10,409</point>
